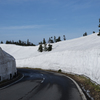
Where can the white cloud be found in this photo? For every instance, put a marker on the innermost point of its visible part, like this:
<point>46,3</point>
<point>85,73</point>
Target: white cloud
<point>77,4</point>
<point>22,27</point>
<point>14,1</point>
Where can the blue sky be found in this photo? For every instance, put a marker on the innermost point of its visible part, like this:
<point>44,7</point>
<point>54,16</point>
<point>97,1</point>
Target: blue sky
<point>38,19</point>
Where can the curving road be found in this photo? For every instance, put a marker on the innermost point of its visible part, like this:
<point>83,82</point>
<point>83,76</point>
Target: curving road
<point>41,85</point>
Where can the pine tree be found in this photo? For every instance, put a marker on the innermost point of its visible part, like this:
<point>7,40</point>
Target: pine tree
<point>54,39</point>
<point>45,47</point>
<point>27,42</point>
<point>1,42</point>
<point>50,40</point>
<point>85,34</point>
<point>19,42</point>
<point>7,42</point>
<point>99,27</point>
<point>64,37</point>
<point>12,41</point>
<point>40,42</point>
<point>44,42</point>
<point>93,31</point>
<point>49,47</point>
<point>40,49</point>
<point>58,40</point>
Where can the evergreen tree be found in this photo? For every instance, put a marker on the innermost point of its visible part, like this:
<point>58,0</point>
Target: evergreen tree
<point>54,39</point>
<point>85,34</point>
<point>1,42</point>
<point>40,49</point>
<point>44,42</point>
<point>64,37</point>
<point>40,42</point>
<point>19,42</point>
<point>58,40</point>
<point>7,42</point>
<point>22,43</point>
<point>49,47</point>
<point>50,40</point>
<point>93,31</point>
<point>27,42</point>
<point>45,47</point>
<point>12,41</point>
<point>99,27</point>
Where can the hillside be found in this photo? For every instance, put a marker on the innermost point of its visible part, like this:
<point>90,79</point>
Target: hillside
<point>79,56</point>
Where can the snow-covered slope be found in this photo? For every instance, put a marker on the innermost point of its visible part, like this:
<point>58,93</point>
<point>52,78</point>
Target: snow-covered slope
<point>80,56</point>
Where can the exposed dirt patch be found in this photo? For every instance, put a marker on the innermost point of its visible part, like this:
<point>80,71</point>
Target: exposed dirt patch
<point>92,88</point>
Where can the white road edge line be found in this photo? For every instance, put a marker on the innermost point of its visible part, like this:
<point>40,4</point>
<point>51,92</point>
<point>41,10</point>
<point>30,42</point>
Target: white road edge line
<point>80,90</point>
<point>12,83</point>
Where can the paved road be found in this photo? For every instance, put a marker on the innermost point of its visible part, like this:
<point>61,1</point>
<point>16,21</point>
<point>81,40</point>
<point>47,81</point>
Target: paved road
<point>41,85</point>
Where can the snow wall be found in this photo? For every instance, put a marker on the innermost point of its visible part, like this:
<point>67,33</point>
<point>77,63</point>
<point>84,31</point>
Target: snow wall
<point>7,66</point>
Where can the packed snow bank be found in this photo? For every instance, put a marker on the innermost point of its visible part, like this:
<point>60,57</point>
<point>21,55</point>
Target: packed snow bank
<point>7,66</point>
<point>79,56</point>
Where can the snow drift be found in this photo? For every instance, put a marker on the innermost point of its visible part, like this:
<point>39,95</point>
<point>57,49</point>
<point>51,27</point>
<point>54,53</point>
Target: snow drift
<point>79,56</point>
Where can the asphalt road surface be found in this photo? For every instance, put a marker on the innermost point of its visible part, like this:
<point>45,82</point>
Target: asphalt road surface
<point>41,85</point>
